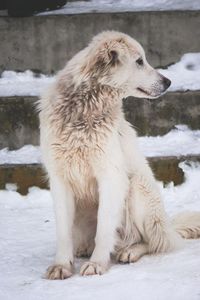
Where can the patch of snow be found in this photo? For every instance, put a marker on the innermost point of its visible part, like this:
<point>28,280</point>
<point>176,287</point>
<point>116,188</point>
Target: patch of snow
<point>178,198</point>
<point>184,76</point>
<point>28,154</point>
<point>179,141</point>
<point>11,187</point>
<point>79,7</point>
<point>27,248</point>
<point>23,83</point>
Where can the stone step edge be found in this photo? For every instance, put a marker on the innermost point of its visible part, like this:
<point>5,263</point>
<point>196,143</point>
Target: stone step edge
<point>166,169</point>
<point>107,11</point>
<point>4,14</point>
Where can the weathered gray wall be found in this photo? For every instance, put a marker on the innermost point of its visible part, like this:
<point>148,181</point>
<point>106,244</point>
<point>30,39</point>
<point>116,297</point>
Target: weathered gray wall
<point>159,116</point>
<point>19,120</point>
<point>45,43</point>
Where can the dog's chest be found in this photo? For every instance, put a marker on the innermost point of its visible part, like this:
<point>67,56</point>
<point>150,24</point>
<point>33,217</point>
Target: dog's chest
<point>81,175</point>
<point>77,157</point>
<point>81,140</point>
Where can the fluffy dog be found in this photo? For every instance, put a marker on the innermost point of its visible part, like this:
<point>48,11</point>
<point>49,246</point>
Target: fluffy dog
<point>105,195</point>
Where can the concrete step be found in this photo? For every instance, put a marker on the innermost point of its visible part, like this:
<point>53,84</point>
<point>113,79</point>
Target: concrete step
<point>19,120</point>
<point>166,169</point>
<point>45,43</point>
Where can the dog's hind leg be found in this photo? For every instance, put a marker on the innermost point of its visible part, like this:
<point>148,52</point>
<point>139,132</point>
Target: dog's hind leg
<point>150,217</point>
<point>148,229</point>
<point>147,211</point>
<point>132,253</point>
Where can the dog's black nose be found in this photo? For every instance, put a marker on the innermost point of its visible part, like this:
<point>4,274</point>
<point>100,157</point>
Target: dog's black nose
<point>166,82</point>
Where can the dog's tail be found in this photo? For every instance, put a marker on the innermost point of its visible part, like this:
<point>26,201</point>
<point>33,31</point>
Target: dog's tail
<point>187,224</point>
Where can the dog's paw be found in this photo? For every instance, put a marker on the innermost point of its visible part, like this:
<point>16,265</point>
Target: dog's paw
<point>92,268</point>
<point>127,255</point>
<point>58,272</point>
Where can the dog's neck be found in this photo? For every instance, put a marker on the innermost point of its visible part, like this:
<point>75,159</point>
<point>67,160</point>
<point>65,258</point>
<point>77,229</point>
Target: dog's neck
<point>89,104</point>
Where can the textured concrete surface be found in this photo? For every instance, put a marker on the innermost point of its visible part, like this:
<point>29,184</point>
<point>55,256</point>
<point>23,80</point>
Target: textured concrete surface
<point>19,120</point>
<point>24,176</point>
<point>166,169</point>
<point>45,43</point>
<point>158,116</point>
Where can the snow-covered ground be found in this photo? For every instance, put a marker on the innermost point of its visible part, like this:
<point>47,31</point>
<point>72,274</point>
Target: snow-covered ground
<point>179,141</point>
<point>28,154</point>
<point>27,247</point>
<point>125,5</point>
<point>23,83</point>
<point>185,75</point>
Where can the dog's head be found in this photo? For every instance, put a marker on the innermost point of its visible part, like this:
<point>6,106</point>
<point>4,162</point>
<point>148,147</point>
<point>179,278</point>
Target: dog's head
<point>119,61</point>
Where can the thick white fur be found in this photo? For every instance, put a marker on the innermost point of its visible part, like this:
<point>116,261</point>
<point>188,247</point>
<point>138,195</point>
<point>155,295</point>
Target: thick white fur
<point>105,195</point>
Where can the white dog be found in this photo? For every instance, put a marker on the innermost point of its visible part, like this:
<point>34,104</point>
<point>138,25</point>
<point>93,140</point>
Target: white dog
<point>105,195</point>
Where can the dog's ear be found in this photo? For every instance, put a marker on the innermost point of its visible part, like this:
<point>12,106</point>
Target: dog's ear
<point>114,57</point>
<point>107,58</point>
<point>100,61</point>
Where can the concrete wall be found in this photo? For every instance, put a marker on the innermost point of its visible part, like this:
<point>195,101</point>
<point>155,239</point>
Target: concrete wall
<point>158,116</point>
<point>45,43</point>
<point>19,120</point>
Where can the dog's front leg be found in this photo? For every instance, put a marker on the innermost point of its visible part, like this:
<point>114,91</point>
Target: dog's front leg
<point>64,212</point>
<point>112,193</point>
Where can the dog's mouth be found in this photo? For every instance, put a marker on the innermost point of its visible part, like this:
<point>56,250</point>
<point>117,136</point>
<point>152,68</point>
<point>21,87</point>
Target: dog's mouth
<point>144,91</point>
<point>147,93</point>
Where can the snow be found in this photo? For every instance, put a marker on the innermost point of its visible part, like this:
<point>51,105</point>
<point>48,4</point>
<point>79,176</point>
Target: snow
<point>177,142</point>
<point>187,143</point>
<point>23,83</point>
<point>185,75</point>
<point>27,248</point>
<point>124,6</point>
<point>28,154</point>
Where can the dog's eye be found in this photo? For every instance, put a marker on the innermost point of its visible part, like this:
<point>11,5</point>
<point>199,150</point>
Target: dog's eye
<point>140,61</point>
